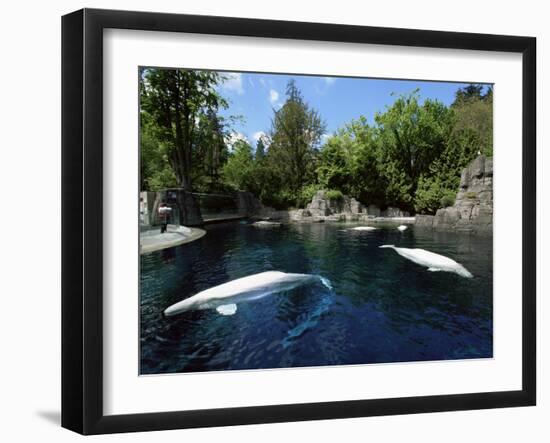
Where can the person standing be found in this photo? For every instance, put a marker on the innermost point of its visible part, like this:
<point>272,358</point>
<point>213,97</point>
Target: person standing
<point>164,215</point>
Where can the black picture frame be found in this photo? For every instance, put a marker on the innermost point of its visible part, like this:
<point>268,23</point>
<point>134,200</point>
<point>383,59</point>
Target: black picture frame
<point>82,218</point>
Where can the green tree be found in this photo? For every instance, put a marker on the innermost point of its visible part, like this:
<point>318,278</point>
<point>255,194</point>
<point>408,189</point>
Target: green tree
<point>438,186</point>
<point>411,136</point>
<point>260,149</point>
<point>239,171</point>
<point>470,92</point>
<point>175,101</point>
<point>211,153</point>
<point>295,136</point>
<point>470,134</point>
<point>335,163</point>
<point>349,162</point>
<point>155,170</point>
<point>411,156</point>
<point>473,113</point>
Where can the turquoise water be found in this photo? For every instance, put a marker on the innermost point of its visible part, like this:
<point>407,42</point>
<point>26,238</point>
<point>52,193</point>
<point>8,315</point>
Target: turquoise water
<point>373,307</point>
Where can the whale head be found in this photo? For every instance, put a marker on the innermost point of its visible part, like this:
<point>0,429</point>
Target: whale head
<point>189,304</point>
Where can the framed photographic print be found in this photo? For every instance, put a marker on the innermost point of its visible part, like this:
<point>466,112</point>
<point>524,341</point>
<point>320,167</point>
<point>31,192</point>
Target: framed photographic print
<point>269,221</point>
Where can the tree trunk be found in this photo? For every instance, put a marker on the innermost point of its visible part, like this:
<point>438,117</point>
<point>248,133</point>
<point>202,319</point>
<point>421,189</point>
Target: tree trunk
<point>189,209</point>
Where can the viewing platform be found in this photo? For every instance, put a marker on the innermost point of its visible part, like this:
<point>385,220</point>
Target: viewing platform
<point>152,240</point>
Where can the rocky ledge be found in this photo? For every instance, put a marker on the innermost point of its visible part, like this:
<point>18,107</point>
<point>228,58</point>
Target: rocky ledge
<point>473,207</point>
<point>322,208</point>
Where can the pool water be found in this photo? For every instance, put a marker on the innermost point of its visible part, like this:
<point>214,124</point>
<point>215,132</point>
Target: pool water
<point>377,307</point>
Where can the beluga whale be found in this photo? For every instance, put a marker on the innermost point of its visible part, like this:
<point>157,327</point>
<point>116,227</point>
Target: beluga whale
<point>363,228</point>
<point>434,262</point>
<point>225,297</point>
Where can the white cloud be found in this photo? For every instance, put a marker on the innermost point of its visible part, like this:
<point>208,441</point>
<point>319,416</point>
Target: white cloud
<point>258,135</point>
<point>233,138</point>
<point>275,99</point>
<point>263,136</point>
<point>273,96</point>
<point>234,82</point>
<point>325,83</point>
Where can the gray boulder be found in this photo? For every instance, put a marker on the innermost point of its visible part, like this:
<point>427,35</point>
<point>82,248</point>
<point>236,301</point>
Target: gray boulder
<point>319,205</point>
<point>473,207</point>
<point>424,221</point>
<point>356,207</point>
<point>390,211</point>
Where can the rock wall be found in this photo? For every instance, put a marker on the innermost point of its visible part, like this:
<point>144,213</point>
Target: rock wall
<point>374,210</point>
<point>390,211</point>
<point>247,204</point>
<point>186,210</point>
<point>473,207</point>
<point>185,207</point>
<point>322,208</point>
<point>424,221</point>
<point>146,204</point>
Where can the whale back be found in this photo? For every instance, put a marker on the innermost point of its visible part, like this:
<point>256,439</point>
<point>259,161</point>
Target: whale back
<point>363,228</point>
<point>427,258</point>
<point>242,285</point>
<point>242,289</point>
<point>431,260</point>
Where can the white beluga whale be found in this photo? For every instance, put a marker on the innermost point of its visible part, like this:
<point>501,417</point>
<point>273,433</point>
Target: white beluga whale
<point>402,228</point>
<point>225,297</point>
<point>363,228</point>
<point>434,262</point>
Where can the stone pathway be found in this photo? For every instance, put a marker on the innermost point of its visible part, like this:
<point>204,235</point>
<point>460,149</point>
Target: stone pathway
<point>153,240</point>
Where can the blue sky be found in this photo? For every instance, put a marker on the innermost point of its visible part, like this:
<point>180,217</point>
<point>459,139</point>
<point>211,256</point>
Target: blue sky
<point>337,99</point>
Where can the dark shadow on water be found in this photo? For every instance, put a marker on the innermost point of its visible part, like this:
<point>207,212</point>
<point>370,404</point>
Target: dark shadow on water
<point>54,417</point>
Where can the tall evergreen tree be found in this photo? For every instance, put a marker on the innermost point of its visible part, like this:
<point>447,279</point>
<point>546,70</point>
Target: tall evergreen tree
<point>211,152</point>
<point>470,92</point>
<point>295,134</point>
<point>260,149</point>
